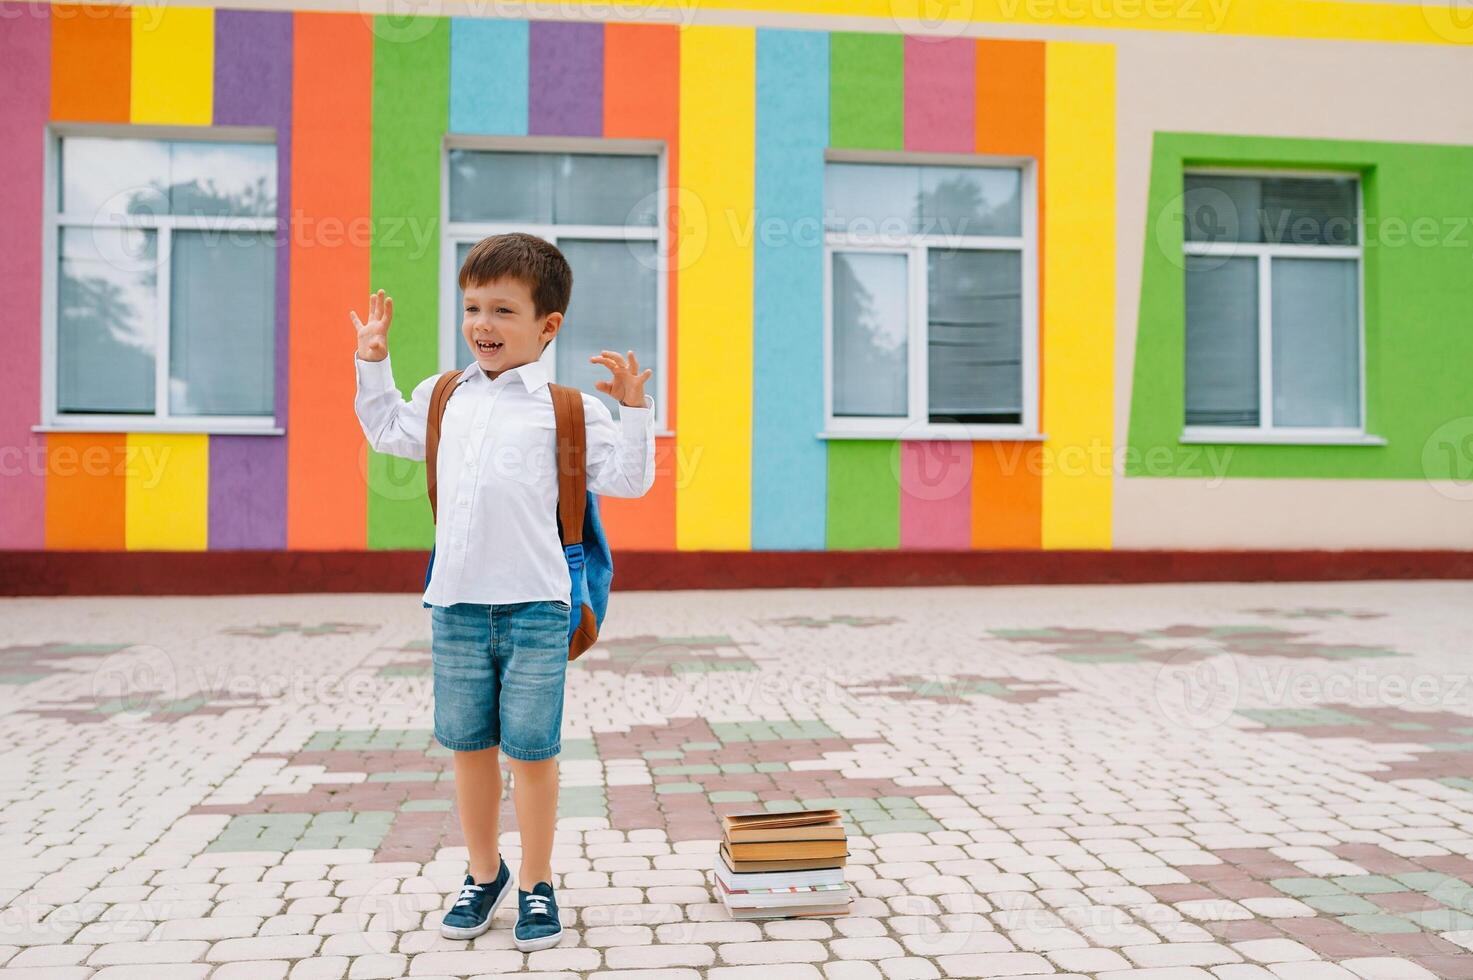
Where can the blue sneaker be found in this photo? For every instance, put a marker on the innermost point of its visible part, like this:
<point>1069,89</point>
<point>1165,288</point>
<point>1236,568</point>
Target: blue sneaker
<point>538,925</point>
<point>471,914</point>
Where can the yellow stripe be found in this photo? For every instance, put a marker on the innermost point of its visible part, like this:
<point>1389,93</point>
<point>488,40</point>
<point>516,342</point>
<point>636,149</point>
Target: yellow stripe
<point>167,481</point>
<point>173,65</point>
<point>1429,22</point>
<point>1079,294</point>
<point>714,381</point>
<point>167,477</point>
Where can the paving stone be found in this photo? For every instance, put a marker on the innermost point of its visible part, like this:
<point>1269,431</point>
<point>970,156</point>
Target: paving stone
<point>1019,801</point>
<point>773,951</point>
<point>249,969</point>
<point>155,971</point>
<point>179,951</point>
<point>465,962</point>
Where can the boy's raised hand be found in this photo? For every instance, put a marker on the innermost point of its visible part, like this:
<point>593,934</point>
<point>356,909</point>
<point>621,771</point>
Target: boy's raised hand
<point>373,336</point>
<point>627,383</point>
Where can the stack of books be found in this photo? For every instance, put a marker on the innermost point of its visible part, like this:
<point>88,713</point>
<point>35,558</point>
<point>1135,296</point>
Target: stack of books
<point>781,865</point>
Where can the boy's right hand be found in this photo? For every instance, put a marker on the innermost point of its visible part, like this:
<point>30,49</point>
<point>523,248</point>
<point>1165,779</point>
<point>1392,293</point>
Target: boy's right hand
<point>373,336</point>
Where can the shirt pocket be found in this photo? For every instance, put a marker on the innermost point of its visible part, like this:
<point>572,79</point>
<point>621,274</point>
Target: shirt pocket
<point>525,452</point>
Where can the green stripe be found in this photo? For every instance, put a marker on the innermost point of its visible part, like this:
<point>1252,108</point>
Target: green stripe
<point>1417,241</point>
<point>411,106</point>
<point>867,91</point>
<point>864,493</point>
<point>866,111</point>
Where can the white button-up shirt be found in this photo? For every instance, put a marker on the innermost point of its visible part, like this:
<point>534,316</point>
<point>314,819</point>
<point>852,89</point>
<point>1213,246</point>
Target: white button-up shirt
<point>496,540</point>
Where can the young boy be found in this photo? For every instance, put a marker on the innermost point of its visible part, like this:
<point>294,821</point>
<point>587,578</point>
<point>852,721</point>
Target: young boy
<point>499,590</point>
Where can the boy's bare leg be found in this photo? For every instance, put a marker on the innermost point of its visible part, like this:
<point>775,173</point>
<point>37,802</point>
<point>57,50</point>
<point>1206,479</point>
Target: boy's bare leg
<point>534,793</point>
<point>478,797</point>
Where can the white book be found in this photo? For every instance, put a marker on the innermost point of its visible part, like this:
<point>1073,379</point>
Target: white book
<point>788,912</point>
<point>744,881</point>
<point>796,895</point>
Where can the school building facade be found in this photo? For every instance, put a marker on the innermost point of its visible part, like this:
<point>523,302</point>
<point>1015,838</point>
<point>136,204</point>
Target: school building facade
<point>1051,290</point>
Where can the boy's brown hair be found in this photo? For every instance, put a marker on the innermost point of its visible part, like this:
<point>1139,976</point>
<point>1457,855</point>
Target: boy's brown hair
<point>536,263</point>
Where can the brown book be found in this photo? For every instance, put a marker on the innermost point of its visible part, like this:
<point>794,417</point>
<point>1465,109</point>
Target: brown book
<point>785,864</point>
<point>754,835</point>
<point>779,850</point>
<point>790,818</point>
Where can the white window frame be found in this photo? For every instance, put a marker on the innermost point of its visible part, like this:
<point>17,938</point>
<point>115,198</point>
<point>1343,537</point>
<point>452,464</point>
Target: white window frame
<point>162,420</point>
<point>916,423</point>
<point>454,233</point>
<point>1264,253</point>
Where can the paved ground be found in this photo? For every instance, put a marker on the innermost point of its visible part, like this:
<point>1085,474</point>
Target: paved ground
<point>1159,783</point>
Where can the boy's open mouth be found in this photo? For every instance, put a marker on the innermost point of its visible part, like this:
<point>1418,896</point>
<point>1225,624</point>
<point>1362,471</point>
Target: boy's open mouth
<point>488,346</point>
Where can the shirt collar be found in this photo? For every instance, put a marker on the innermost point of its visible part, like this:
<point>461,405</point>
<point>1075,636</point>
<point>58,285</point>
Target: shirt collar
<point>532,376</point>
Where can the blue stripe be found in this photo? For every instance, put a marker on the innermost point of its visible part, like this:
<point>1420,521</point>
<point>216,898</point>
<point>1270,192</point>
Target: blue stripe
<point>488,76</point>
<point>789,462</point>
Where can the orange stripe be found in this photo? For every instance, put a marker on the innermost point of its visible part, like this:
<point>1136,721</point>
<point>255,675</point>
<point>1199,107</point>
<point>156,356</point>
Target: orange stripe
<point>1007,495</point>
<point>85,490</point>
<point>1006,489</point>
<point>332,125</point>
<point>642,101</point>
<point>1010,108</point>
<point>91,62</point>
<point>1010,97</point>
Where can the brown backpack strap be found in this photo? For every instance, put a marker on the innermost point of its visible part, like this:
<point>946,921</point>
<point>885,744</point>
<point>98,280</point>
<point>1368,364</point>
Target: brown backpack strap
<point>572,450</point>
<point>444,388</point>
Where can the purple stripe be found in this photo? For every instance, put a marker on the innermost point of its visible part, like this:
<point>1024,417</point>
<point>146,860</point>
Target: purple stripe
<point>567,79</point>
<point>25,51</point>
<point>253,87</point>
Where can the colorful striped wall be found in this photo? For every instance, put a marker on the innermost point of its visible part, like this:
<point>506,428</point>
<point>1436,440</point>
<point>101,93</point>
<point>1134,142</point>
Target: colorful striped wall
<point>361,107</point>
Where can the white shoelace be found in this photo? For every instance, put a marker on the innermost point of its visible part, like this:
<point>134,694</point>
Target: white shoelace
<point>467,893</point>
<point>537,905</point>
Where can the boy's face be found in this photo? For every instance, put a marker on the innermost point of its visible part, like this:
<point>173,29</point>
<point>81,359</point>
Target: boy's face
<point>500,325</point>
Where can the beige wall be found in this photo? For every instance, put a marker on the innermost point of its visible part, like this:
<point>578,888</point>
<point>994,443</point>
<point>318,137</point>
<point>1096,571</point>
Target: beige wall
<point>1283,513</point>
<point>1272,87</point>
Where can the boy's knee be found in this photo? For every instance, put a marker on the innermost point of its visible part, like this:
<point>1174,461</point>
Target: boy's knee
<point>489,757</point>
<point>532,766</point>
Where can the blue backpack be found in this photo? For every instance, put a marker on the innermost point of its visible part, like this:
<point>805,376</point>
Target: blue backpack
<point>590,565</point>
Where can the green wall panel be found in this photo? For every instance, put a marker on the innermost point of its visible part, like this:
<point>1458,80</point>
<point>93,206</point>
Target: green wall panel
<point>867,91</point>
<point>1418,292</point>
<point>864,493</point>
<point>411,99</point>
<point>867,111</point>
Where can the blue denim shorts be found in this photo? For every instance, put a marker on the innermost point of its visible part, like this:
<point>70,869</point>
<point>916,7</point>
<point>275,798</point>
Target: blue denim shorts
<point>498,675</point>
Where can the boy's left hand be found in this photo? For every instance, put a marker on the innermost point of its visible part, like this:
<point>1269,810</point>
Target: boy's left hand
<point>627,383</point>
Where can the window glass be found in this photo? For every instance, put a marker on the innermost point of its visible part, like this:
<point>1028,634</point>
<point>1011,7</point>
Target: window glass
<point>869,342</point>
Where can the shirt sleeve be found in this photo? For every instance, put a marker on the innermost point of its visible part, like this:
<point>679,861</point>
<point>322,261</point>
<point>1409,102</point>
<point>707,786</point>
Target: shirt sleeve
<point>391,424</point>
<point>621,453</point>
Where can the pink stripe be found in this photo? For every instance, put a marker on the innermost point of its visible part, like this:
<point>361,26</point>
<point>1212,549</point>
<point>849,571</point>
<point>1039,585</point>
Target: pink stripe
<point>936,494</point>
<point>25,51</point>
<point>940,117</point>
<point>940,94</point>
